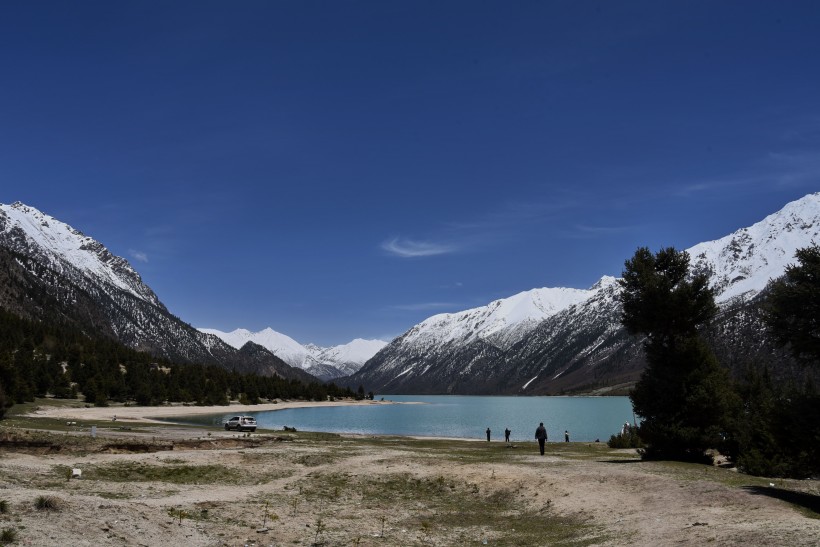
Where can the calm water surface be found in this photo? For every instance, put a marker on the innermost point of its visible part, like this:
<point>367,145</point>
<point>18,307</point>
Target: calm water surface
<point>586,418</point>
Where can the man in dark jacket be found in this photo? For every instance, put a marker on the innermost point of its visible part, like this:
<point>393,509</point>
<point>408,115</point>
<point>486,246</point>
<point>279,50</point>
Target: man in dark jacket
<point>541,435</point>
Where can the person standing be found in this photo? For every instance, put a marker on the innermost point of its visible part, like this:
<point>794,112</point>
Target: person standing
<point>566,436</point>
<point>541,435</point>
<point>507,435</point>
<point>488,434</point>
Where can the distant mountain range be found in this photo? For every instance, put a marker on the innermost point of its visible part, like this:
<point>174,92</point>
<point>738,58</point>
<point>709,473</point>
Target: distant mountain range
<point>541,341</point>
<point>324,363</point>
<point>548,341</point>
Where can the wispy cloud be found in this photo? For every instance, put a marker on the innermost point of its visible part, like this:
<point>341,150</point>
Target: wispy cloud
<point>138,255</point>
<point>492,228</point>
<point>593,231</point>
<point>425,306</point>
<point>795,169</point>
<point>408,248</point>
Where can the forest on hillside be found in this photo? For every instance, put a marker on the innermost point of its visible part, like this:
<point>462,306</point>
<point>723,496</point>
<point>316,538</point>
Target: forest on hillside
<point>39,358</point>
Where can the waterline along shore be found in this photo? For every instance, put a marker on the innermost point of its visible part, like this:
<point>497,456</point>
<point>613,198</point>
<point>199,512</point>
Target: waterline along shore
<point>153,413</point>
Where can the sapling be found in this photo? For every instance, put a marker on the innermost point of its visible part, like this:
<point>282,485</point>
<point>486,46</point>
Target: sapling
<point>320,529</point>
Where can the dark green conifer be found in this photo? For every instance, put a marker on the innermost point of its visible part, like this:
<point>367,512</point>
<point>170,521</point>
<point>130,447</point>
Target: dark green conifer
<point>684,395</point>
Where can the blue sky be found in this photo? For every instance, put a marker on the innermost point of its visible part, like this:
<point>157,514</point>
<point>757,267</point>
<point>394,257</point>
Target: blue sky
<point>345,169</point>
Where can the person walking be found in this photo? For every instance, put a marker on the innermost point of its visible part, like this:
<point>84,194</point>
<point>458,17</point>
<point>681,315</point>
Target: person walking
<point>488,434</point>
<point>566,436</point>
<point>541,435</point>
<point>507,435</point>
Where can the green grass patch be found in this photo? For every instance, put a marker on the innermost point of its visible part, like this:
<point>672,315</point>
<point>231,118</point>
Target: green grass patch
<point>174,473</point>
<point>460,510</point>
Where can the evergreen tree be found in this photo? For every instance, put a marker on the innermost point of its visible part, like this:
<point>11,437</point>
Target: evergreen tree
<point>683,395</point>
<point>792,309</point>
<point>3,405</point>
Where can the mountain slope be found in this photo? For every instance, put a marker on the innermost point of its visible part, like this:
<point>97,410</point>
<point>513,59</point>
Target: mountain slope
<point>581,346</point>
<point>52,270</point>
<point>323,363</point>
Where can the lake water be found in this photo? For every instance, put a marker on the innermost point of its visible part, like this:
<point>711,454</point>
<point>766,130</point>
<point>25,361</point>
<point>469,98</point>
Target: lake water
<point>586,418</point>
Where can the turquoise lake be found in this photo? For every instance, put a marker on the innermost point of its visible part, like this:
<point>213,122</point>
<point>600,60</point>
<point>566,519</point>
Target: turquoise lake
<point>586,418</point>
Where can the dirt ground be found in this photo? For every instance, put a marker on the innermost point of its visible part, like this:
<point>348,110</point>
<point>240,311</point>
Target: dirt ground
<point>147,484</point>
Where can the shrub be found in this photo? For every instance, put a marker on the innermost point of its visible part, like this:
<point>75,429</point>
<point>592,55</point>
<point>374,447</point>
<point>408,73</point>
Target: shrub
<point>4,506</point>
<point>629,439</point>
<point>47,503</point>
<point>8,535</point>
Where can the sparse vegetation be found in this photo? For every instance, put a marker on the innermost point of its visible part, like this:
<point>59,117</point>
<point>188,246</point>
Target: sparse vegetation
<point>410,492</point>
<point>7,536</point>
<point>172,473</point>
<point>48,503</point>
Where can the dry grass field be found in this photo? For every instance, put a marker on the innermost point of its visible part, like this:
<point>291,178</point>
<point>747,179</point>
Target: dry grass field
<point>149,484</point>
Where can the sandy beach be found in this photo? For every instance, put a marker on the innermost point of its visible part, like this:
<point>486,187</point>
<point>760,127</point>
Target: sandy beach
<point>146,414</point>
<point>144,483</point>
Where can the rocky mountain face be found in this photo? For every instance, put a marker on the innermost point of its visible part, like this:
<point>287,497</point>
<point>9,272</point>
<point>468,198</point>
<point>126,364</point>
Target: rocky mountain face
<point>51,271</point>
<point>574,341</point>
<point>323,363</point>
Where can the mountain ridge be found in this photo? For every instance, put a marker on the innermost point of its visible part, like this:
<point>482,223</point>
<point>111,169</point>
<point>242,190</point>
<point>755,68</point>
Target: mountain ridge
<point>51,270</point>
<point>582,346</point>
<point>324,363</point>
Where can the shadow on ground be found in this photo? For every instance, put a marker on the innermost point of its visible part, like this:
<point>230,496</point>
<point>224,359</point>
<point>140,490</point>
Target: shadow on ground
<point>807,501</point>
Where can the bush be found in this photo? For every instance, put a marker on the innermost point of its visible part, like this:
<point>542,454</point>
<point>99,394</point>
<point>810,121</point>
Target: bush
<point>47,503</point>
<point>4,506</point>
<point>8,535</point>
<point>629,439</point>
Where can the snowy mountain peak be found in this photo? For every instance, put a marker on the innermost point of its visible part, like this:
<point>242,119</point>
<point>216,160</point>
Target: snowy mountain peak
<point>502,322</point>
<point>355,352</point>
<point>28,231</point>
<point>281,345</point>
<point>347,358</point>
<point>743,262</point>
<point>605,282</point>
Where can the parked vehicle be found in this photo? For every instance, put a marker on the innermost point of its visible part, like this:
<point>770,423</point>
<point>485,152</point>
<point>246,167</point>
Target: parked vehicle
<point>241,423</point>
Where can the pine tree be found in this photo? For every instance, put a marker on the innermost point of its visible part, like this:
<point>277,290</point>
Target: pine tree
<point>684,395</point>
<point>792,309</point>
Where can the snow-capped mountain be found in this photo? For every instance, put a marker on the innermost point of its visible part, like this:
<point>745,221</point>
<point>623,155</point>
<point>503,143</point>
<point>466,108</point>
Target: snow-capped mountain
<point>281,345</point>
<point>742,263</point>
<point>27,231</point>
<point>324,363</point>
<point>348,357</point>
<point>50,270</point>
<point>575,342</point>
<point>502,322</point>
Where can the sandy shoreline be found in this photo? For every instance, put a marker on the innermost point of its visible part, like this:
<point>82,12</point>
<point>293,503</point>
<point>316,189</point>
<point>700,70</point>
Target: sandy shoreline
<point>151,414</point>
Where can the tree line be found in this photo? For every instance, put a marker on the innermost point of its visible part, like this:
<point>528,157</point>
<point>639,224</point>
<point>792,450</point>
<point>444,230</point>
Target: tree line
<point>39,358</point>
<point>687,400</point>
